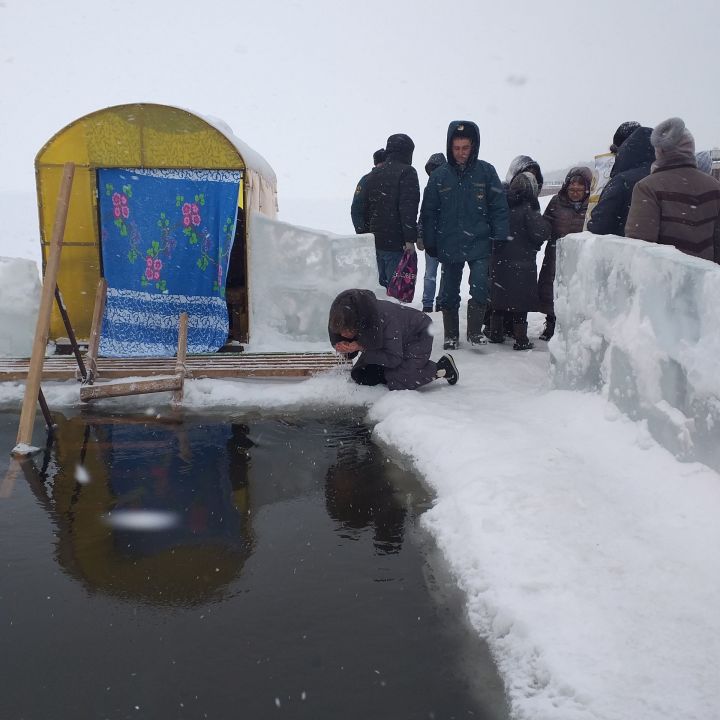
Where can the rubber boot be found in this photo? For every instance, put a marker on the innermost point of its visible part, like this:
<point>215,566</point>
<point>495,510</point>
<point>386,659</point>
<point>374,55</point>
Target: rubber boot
<point>521,338</point>
<point>549,330</point>
<point>475,318</point>
<point>451,328</point>
<point>497,331</point>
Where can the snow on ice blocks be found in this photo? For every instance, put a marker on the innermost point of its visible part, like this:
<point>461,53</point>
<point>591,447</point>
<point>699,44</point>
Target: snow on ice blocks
<point>639,322</point>
<point>295,274</point>
<point>19,304</point>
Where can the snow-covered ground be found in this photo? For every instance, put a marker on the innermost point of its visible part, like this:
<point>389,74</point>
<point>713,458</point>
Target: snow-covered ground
<point>587,552</point>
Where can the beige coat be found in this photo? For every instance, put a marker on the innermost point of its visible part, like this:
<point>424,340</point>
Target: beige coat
<point>677,205</point>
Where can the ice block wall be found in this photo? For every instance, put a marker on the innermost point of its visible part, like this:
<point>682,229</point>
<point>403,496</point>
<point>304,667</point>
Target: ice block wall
<point>294,275</point>
<point>640,323</point>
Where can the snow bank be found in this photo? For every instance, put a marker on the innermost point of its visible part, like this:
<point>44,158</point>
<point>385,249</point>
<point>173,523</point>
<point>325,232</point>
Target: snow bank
<point>639,322</point>
<point>295,274</point>
<point>19,304</point>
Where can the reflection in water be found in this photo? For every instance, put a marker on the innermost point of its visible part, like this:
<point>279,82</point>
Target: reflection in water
<point>161,512</point>
<point>359,493</point>
<point>211,565</point>
<point>148,511</point>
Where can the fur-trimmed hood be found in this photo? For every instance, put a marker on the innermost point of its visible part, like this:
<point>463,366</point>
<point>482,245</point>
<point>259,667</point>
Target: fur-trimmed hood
<point>524,163</point>
<point>584,172</point>
<point>523,188</point>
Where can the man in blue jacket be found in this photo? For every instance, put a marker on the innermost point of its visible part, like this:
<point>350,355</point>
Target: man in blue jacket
<point>464,212</point>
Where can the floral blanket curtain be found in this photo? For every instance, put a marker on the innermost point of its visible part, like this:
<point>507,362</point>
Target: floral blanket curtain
<point>166,237</point>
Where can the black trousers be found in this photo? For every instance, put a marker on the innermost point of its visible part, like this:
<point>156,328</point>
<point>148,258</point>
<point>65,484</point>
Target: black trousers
<point>369,375</point>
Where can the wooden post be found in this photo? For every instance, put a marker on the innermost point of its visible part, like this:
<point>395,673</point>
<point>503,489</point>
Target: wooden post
<point>173,383</point>
<point>159,383</point>
<point>42,328</point>
<point>95,328</point>
<point>180,370</point>
<point>71,333</point>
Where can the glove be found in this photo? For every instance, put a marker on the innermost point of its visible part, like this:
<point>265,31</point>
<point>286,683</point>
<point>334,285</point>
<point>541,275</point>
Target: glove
<point>420,244</point>
<point>410,247</point>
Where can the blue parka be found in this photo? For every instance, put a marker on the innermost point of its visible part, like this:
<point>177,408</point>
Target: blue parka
<point>464,210</point>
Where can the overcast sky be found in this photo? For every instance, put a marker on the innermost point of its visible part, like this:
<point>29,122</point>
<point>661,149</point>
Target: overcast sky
<point>316,86</point>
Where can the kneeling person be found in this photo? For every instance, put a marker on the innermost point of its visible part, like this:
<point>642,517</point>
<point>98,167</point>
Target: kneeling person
<point>393,340</point>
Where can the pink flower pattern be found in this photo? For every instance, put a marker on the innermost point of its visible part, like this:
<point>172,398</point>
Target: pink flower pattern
<point>191,214</point>
<point>120,205</point>
<point>153,266</point>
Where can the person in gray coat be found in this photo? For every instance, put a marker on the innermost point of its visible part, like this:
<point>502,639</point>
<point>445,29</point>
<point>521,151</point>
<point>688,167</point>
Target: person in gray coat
<point>393,340</point>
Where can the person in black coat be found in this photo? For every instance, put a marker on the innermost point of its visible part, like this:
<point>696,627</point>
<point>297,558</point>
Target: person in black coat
<point>394,342</point>
<point>519,164</point>
<point>356,210</point>
<point>514,287</point>
<point>387,206</point>
<point>634,158</point>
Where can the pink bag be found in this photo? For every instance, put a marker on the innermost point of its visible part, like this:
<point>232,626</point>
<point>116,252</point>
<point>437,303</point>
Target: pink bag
<point>402,285</point>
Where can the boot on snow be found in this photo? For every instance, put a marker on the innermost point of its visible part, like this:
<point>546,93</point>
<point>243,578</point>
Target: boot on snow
<point>521,338</point>
<point>447,369</point>
<point>451,328</point>
<point>497,332</point>
<point>549,330</point>
<point>475,318</point>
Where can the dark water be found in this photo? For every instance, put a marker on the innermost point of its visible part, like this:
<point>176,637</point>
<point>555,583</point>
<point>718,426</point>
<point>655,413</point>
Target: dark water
<point>226,568</point>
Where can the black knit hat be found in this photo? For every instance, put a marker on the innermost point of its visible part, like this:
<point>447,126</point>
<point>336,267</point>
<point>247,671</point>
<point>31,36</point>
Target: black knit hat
<point>379,156</point>
<point>624,131</point>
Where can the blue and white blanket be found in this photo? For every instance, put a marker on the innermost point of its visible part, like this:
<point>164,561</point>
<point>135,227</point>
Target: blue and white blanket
<point>166,237</point>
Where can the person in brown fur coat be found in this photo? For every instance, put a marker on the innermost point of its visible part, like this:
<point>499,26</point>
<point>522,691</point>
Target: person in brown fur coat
<point>677,204</point>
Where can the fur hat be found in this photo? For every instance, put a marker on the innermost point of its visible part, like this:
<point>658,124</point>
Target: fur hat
<point>624,131</point>
<point>672,138</point>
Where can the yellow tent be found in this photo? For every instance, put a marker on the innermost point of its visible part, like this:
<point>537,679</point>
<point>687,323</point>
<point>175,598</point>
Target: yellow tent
<point>139,135</point>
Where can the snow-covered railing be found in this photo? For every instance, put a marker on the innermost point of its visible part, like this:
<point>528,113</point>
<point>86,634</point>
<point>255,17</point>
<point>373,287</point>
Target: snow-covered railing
<point>640,323</point>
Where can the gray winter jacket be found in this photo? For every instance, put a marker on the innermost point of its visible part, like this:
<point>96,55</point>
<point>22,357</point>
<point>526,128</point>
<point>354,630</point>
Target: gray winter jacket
<point>393,336</point>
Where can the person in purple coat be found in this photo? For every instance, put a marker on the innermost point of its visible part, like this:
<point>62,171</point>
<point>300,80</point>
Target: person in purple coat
<point>393,341</point>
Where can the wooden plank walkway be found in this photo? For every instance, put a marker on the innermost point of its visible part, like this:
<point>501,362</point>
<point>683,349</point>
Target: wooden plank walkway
<point>217,365</point>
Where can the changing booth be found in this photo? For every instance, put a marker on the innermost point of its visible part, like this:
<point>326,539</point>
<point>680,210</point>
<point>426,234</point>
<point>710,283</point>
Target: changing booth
<point>151,144</point>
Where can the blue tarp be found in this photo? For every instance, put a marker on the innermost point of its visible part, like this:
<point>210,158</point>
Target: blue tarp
<point>166,237</point>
